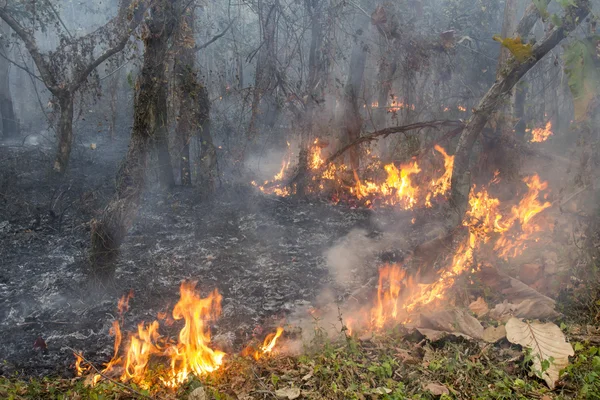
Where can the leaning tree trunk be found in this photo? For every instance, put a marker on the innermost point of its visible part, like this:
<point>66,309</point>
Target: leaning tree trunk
<point>64,131</point>
<point>351,118</point>
<point>109,231</point>
<point>461,175</point>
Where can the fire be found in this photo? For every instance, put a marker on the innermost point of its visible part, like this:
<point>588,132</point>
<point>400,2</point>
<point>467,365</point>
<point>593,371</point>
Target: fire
<point>462,108</point>
<point>522,216</point>
<point>268,343</point>
<point>400,295</point>
<point>541,134</point>
<point>190,355</point>
<point>387,298</point>
<point>441,186</point>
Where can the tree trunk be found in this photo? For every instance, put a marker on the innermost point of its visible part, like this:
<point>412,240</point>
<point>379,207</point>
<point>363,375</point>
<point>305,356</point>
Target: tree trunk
<point>352,120</point>
<point>64,131</point>
<point>161,132</point>
<point>109,231</point>
<point>461,175</point>
<point>315,71</point>
<point>208,152</point>
<point>264,82</point>
<point>10,126</point>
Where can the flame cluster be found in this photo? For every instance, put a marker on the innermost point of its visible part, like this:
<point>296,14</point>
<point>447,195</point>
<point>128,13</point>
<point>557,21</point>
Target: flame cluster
<point>402,186</point>
<point>190,354</point>
<point>400,294</point>
<point>539,135</point>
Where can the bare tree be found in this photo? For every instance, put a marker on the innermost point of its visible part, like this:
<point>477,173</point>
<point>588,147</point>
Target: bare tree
<point>65,70</point>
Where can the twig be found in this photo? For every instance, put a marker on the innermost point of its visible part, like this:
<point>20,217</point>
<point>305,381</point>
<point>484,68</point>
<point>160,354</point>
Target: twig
<point>214,38</point>
<point>21,67</point>
<point>109,378</point>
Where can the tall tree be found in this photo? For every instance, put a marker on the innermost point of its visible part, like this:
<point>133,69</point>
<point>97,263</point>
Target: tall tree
<point>65,70</point>
<point>351,123</point>
<point>194,108</point>
<point>10,126</point>
<point>265,82</point>
<point>109,231</point>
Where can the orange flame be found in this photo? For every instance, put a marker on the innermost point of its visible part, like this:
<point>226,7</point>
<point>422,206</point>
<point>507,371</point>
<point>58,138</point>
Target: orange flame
<point>541,134</point>
<point>191,354</point>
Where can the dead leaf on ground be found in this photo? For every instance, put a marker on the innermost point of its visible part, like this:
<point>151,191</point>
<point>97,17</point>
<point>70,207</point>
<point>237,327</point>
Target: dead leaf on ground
<point>520,300</point>
<point>434,335</point>
<point>436,389</point>
<point>479,307</point>
<point>547,344</point>
<point>455,321</point>
<point>290,393</point>
<point>492,334</point>
<point>198,394</point>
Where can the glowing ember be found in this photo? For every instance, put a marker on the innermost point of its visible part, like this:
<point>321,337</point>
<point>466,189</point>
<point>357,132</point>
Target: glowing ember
<point>539,135</point>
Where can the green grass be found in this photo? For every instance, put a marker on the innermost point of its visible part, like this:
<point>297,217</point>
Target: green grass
<point>390,366</point>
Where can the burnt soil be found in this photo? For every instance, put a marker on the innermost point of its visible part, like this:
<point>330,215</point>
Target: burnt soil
<point>264,255</point>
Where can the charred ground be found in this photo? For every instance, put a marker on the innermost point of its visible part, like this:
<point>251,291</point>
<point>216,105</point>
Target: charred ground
<point>264,254</point>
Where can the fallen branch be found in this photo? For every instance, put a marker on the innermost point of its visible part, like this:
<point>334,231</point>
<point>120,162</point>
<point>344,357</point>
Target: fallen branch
<point>385,133</point>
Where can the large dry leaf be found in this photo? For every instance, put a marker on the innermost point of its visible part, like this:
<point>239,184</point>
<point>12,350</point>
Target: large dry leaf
<point>479,307</point>
<point>455,321</point>
<point>493,334</point>
<point>436,389</point>
<point>521,300</point>
<point>547,343</point>
<point>289,393</point>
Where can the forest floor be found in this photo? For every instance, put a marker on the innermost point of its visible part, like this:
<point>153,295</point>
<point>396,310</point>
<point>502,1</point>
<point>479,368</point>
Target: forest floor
<point>265,255</point>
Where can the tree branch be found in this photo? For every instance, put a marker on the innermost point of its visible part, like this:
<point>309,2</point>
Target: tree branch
<point>214,38</point>
<point>21,67</point>
<point>31,45</point>
<point>461,175</point>
<point>532,14</point>
<point>382,133</point>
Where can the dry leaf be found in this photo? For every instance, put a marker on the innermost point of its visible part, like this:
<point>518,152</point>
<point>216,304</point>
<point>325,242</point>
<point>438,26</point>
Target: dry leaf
<point>198,394</point>
<point>455,321</point>
<point>436,389</point>
<point>479,307</point>
<point>547,343</point>
<point>290,393</point>
<point>493,334</point>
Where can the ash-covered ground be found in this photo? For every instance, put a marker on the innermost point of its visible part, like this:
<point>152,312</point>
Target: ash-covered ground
<point>265,255</point>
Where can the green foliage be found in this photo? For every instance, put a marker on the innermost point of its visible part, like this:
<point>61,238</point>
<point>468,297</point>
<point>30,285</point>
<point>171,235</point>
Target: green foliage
<point>584,372</point>
<point>583,71</point>
<point>521,52</point>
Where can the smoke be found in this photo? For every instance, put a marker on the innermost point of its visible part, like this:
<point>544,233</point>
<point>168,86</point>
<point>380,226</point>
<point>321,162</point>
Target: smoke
<point>355,254</point>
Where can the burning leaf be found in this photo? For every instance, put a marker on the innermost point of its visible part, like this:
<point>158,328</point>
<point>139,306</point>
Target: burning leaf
<point>290,393</point>
<point>547,342</point>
